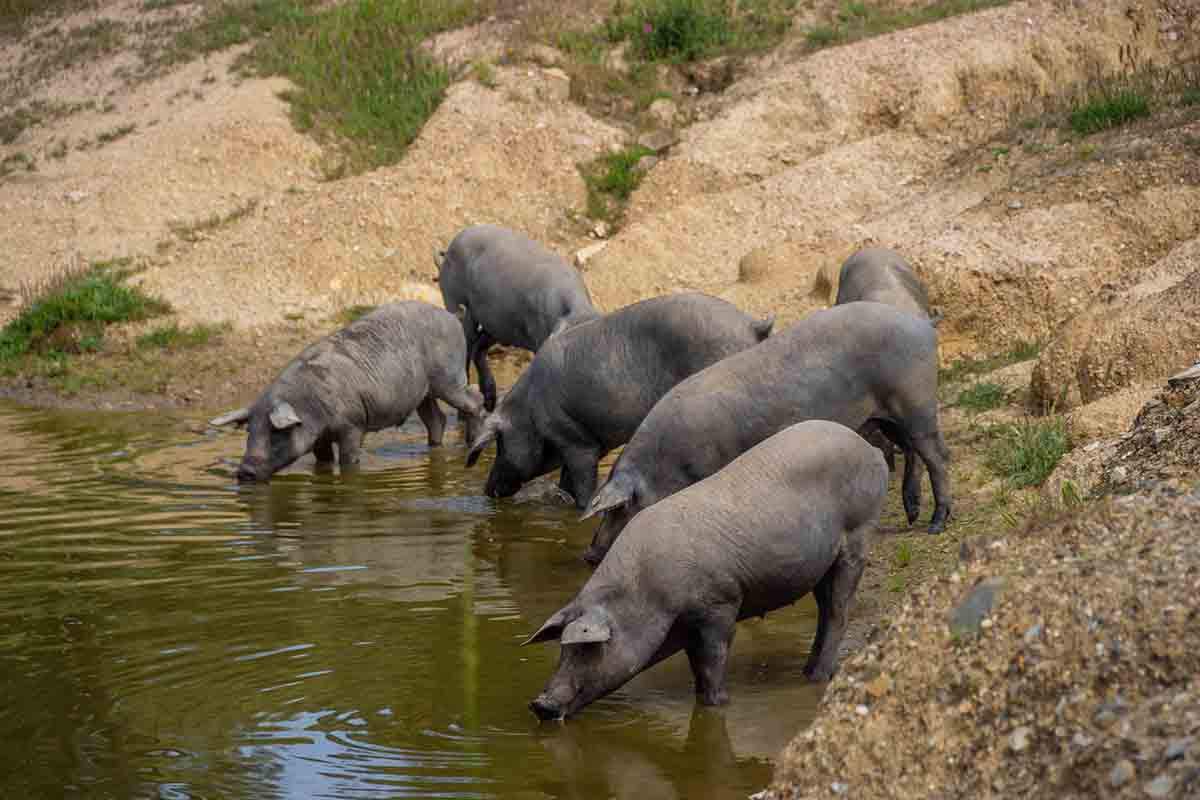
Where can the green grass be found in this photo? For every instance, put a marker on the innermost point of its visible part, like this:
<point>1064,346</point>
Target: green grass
<point>982,396</point>
<point>610,181</point>
<point>859,20</point>
<point>353,313</point>
<point>1021,351</point>
<point>1025,453</point>
<point>904,554</point>
<point>15,14</point>
<point>95,296</point>
<point>174,337</point>
<point>690,30</point>
<point>195,230</point>
<point>113,134</point>
<point>1109,109</point>
<point>17,162</point>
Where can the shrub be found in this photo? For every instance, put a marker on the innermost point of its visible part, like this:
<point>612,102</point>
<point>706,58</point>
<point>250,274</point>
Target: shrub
<point>1025,453</point>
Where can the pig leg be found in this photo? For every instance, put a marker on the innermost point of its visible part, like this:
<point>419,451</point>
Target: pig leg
<point>433,418</point>
<point>579,477</point>
<point>933,451</point>
<point>349,447</point>
<point>834,593</point>
<point>910,491</point>
<point>467,402</point>
<point>323,450</point>
<point>708,654</point>
<point>487,383</point>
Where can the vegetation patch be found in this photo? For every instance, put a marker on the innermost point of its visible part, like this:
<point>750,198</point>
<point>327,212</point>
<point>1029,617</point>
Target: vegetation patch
<point>17,162</point>
<point>69,312</point>
<point>176,337</point>
<point>689,30</point>
<point>16,14</point>
<point>982,396</point>
<point>195,231</point>
<point>1021,351</point>
<point>113,134</point>
<point>610,181</point>
<point>353,313</point>
<point>1109,109</point>
<point>1026,452</point>
<point>858,20</point>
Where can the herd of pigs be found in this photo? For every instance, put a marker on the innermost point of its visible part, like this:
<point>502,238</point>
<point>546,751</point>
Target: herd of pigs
<point>754,464</point>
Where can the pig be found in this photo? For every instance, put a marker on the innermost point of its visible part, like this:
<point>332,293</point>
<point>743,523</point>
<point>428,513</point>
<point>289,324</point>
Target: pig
<point>509,290</point>
<point>590,385</point>
<point>365,377</point>
<point>882,275</point>
<point>790,516</point>
<point>849,364</point>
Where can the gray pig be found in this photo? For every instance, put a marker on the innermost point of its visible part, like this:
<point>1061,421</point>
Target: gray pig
<point>590,386</point>
<point>788,517</point>
<point>883,276</point>
<point>849,364</point>
<point>368,376</point>
<point>509,290</point>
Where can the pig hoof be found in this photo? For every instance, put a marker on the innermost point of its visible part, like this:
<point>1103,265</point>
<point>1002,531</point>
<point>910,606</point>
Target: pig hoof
<point>937,524</point>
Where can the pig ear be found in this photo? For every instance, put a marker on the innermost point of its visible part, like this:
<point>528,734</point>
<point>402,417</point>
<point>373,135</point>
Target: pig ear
<point>613,494</point>
<point>487,434</point>
<point>592,627</point>
<point>238,417</point>
<point>551,629</point>
<point>283,416</point>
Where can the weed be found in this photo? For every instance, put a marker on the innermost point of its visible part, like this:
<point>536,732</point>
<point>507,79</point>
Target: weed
<point>1087,152</point>
<point>674,30</point>
<point>97,294</point>
<point>484,73</point>
<point>858,20</point>
<point>1025,453</point>
<point>353,313</point>
<point>904,554</point>
<point>1109,109</point>
<point>1190,97</point>
<point>610,181</point>
<point>113,134</point>
<point>897,583</point>
<point>59,151</point>
<point>1000,152</point>
<point>1020,351</point>
<point>194,231</point>
<point>17,161</point>
<point>173,337</point>
<point>155,5</point>
<point>983,396</point>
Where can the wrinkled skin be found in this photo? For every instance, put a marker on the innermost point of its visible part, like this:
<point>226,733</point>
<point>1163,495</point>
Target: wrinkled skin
<point>368,376</point>
<point>508,290</point>
<point>881,275</point>
<point>590,386</point>
<point>851,364</point>
<point>788,517</point>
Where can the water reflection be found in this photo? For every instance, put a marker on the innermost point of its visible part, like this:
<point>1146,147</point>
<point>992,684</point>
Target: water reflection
<point>166,633</point>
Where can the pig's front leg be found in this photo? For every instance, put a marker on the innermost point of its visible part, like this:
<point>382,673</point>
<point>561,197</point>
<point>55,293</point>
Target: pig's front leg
<point>349,447</point>
<point>708,654</point>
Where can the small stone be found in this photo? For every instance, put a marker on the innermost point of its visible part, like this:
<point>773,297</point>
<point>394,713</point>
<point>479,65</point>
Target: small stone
<point>1033,633</point>
<point>879,686</point>
<point>646,163</point>
<point>600,230</point>
<point>658,141</point>
<point>663,111</point>
<point>558,84</point>
<point>837,787</point>
<point>861,710</point>
<point>586,254</point>
<point>1159,787</point>
<point>968,616</point>
<point>545,55</point>
<point>1121,774</point>
<point>1178,748</point>
<point>76,196</point>
<point>1015,205</point>
<point>1019,740</point>
<point>615,59</point>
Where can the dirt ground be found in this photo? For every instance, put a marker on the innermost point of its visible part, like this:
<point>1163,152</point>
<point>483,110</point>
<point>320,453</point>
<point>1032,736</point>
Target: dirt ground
<point>941,141</point>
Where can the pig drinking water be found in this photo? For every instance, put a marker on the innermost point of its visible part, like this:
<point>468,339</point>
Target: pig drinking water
<point>788,517</point>
<point>368,376</point>
<point>589,387</point>
<point>509,290</point>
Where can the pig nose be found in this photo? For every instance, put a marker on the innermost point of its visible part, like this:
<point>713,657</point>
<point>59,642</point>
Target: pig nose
<point>545,709</point>
<point>593,555</point>
<point>246,473</point>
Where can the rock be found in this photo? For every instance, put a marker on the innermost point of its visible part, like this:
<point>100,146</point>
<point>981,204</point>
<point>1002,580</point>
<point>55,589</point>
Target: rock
<point>557,84</point>
<point>586,254</point>
<point>861,710</point>
<point>1122,773</point>
<point>968,616</point>
<point>616,60</point>
<point>600,230</point>
<point>545,56</point>
<point>663,111</point>
<point>1019,740</point>
<point>1178,748</point>
<point>712,75</point>
<point>1015,205</point>
<point>77,196</point>
<point>837,787</point>
<point>658,141</point>
<point>646,163</point>
<point>879,686</point>
<point>1159,787</point>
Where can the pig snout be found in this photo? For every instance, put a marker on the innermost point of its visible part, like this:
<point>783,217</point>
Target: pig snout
<point>547,708</point>
<point>250,471</point>
<point>500,487</point>
<point>594,554</point>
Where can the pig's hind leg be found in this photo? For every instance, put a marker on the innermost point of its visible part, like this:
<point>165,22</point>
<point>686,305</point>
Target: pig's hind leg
<point>433,418</point>
<point>834,593</point>
<point>709,642</point>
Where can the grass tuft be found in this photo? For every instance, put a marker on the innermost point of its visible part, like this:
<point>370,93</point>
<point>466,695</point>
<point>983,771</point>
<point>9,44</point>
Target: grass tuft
<point>174,337</point>
<point>353,313</point>
<point>1021,351</point>
<point>1026,452</point>
<point>982,396</point>
<point>1109,109</point>
<point>859,20</point>
<point>610,181</point>
<point>194,231</point>
<point>92,298</point>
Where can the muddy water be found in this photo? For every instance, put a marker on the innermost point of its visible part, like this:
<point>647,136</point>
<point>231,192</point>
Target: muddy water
<point>164,633</point>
